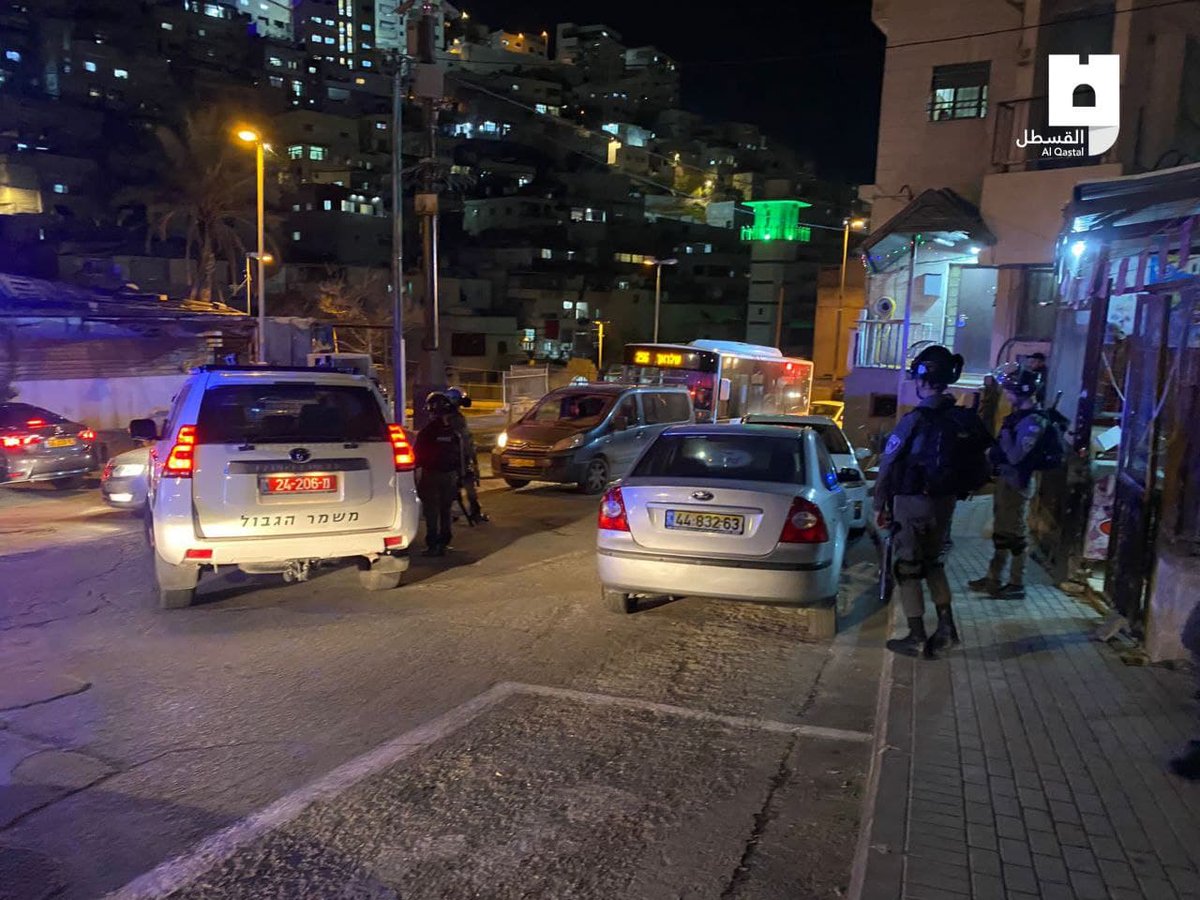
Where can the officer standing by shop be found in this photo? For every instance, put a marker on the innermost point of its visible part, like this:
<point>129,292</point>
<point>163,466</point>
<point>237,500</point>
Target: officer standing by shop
<point>1013,456</point>
<point>439,468</point>
<point>470,480</point>
<point>935,456</point>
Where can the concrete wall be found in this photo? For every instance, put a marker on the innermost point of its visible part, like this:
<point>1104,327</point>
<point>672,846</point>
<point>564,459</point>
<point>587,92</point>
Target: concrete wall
<point>105,404</point>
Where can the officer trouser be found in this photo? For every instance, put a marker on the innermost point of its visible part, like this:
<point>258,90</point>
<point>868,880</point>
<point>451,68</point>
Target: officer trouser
<point>1010,531</point>
<point>437,491</point>
<point>918,549</point>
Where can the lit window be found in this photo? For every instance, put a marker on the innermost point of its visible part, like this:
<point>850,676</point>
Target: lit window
<point>567,304</point>
<point>120,73</point>
<point>959,92</point>
<point>296,151</point>
<point>329,204</point>
<point>14,55</point>
<point>295,235</point>
<point>366,63</point>
<point>61,189</point>
<point>295,207</point>
<point>547,253</point>
<point>276,61</point>
<point>95,92</point>
<point>213,11</point>
<point>317,153</point>
<point>167,26</point>
<point>89,65</point>
<point>540,107</point>
<point>276,81</point>
<point>382,126</point>
<point>366,27</point>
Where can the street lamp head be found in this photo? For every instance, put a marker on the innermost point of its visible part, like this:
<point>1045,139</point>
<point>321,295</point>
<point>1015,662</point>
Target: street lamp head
<point>858,224</point>
<point>249,135</point>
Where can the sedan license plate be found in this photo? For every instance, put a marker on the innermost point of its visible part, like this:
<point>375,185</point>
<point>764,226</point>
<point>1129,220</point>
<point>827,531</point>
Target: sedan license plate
<point>299,484</point>
<point>716,523</point>
<point>522,463</point>
<point>61,442</point>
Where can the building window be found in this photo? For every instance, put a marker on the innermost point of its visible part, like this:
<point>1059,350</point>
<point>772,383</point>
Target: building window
<point>275,61</point>
<point>317,153</point>
<point>13,55</point>
<point>167,26</point>
<point>89,65</point>
<point>547,253</point>
<point>296,151</point>
<point>120,73</point>
<point>295,235</point>
<point>959,91</point>
<point>328,204</point>
<point>61,189</point>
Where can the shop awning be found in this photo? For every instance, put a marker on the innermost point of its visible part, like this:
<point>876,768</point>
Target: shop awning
<point>936,214</point>
<point>1132,204</point>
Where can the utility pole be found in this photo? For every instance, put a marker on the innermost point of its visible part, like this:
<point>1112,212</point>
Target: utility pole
<point>429,81</point>
<point>399,354</point>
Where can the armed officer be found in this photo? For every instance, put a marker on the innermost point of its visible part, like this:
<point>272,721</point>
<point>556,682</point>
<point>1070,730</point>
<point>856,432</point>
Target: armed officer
<point>439,468</point>
<point>470,479</point>
<point>935,456</point>
<point>1020,435</point>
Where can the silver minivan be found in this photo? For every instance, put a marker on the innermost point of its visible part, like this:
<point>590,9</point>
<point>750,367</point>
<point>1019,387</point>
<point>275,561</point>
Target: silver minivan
<point>588,434</point>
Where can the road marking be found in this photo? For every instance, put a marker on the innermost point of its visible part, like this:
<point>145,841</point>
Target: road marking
<point>178,872</point>
<point>834,734</point>
<point>866,821</point>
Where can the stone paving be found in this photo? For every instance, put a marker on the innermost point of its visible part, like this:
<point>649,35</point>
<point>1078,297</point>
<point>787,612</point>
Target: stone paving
<point>1029,762</point>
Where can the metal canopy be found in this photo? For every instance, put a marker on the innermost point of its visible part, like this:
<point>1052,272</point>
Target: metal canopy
<point>934,213</point>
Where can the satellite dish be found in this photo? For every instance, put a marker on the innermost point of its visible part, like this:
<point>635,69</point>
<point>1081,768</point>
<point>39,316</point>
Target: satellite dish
<point>883,308</point>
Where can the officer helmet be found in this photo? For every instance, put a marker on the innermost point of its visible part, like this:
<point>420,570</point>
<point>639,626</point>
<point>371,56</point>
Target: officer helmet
<point>438,404</point>
<point>937,366</point>
<point>458,397</point>
<point>1016,379</point>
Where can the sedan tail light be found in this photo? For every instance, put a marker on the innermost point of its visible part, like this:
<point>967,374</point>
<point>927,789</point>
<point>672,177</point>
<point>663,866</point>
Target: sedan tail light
<point>804,524</point>
<point>181,459</point>
<point>612,511</point>
<point>17,441</point>
<point>87,435</point>
<point>402,449</point>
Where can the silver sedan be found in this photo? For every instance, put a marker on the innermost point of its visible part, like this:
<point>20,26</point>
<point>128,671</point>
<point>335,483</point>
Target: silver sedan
<point>747,512</point>
<point>125,482</point>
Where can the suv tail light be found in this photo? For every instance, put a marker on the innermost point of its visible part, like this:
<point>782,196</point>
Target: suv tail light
<point>402,449</point>
<point>612,512</point>
<point>182,457</point>
<point>804,524</point>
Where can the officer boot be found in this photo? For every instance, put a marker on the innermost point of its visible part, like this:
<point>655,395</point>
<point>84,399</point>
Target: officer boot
<point>1015,589</point>
<point>990,582</point>
<point>945,634</point>
<point>911,642</point>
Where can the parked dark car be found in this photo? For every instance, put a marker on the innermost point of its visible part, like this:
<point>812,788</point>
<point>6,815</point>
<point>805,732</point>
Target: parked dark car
<point>39,445</point>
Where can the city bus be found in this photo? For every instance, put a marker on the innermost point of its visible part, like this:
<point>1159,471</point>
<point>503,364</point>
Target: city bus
<point>727,379</point>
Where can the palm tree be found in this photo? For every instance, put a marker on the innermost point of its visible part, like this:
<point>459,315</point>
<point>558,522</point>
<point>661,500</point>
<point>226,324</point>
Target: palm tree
<point>206,193</point>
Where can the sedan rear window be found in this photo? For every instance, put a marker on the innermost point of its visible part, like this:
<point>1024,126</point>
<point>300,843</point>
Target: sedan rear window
<point>732,457</point>
<point>833,439</point>
<point>290,413</point>
<point>15,415</point>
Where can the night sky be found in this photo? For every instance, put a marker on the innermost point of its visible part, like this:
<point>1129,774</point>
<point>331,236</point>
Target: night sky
<point>823,100</point>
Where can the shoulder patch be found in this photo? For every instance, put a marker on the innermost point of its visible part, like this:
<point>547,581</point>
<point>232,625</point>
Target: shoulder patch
<point>893,445</point>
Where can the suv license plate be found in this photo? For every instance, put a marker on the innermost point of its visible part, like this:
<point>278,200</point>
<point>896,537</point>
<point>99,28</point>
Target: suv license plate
<point>717,523</point>
<point>299,484</point>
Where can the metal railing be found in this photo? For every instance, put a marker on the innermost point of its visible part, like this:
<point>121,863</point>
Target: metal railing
<point>878,342</point>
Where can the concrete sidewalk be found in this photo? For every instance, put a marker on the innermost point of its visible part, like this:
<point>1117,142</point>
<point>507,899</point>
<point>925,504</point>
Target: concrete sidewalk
<point>1029,762</point>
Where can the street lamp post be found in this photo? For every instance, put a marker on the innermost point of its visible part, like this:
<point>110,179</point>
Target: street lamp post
<point>266,258</point>
<point>847,226</point>
<point>250,136</point>
<point>658,267</point>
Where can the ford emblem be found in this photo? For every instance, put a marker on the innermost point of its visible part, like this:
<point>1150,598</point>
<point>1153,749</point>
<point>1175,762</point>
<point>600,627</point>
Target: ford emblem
<point>701,495</point>
<point>300,455</point>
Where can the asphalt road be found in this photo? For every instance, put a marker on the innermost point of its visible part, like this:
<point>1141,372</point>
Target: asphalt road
<point>487,730</point>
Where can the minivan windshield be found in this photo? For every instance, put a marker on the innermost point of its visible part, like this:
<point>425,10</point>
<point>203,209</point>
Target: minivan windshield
<point>574,408</point>
<point>289,412</point>
<point>725,457</point>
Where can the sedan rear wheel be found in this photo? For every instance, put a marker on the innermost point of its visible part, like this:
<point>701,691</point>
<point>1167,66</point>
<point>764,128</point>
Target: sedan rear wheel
<point>619,601</point>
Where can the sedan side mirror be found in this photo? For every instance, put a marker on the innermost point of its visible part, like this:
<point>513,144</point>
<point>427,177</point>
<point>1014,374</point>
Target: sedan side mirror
<point>845,476</point>
<point>143,430</point>
<point>620,423</point>
<point>861,453</point>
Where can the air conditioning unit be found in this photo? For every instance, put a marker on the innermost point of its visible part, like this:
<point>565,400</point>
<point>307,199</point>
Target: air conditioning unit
<point>883,308</point>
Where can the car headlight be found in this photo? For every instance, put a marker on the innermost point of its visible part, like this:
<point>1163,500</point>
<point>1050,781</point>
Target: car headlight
<point>502,440</point>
